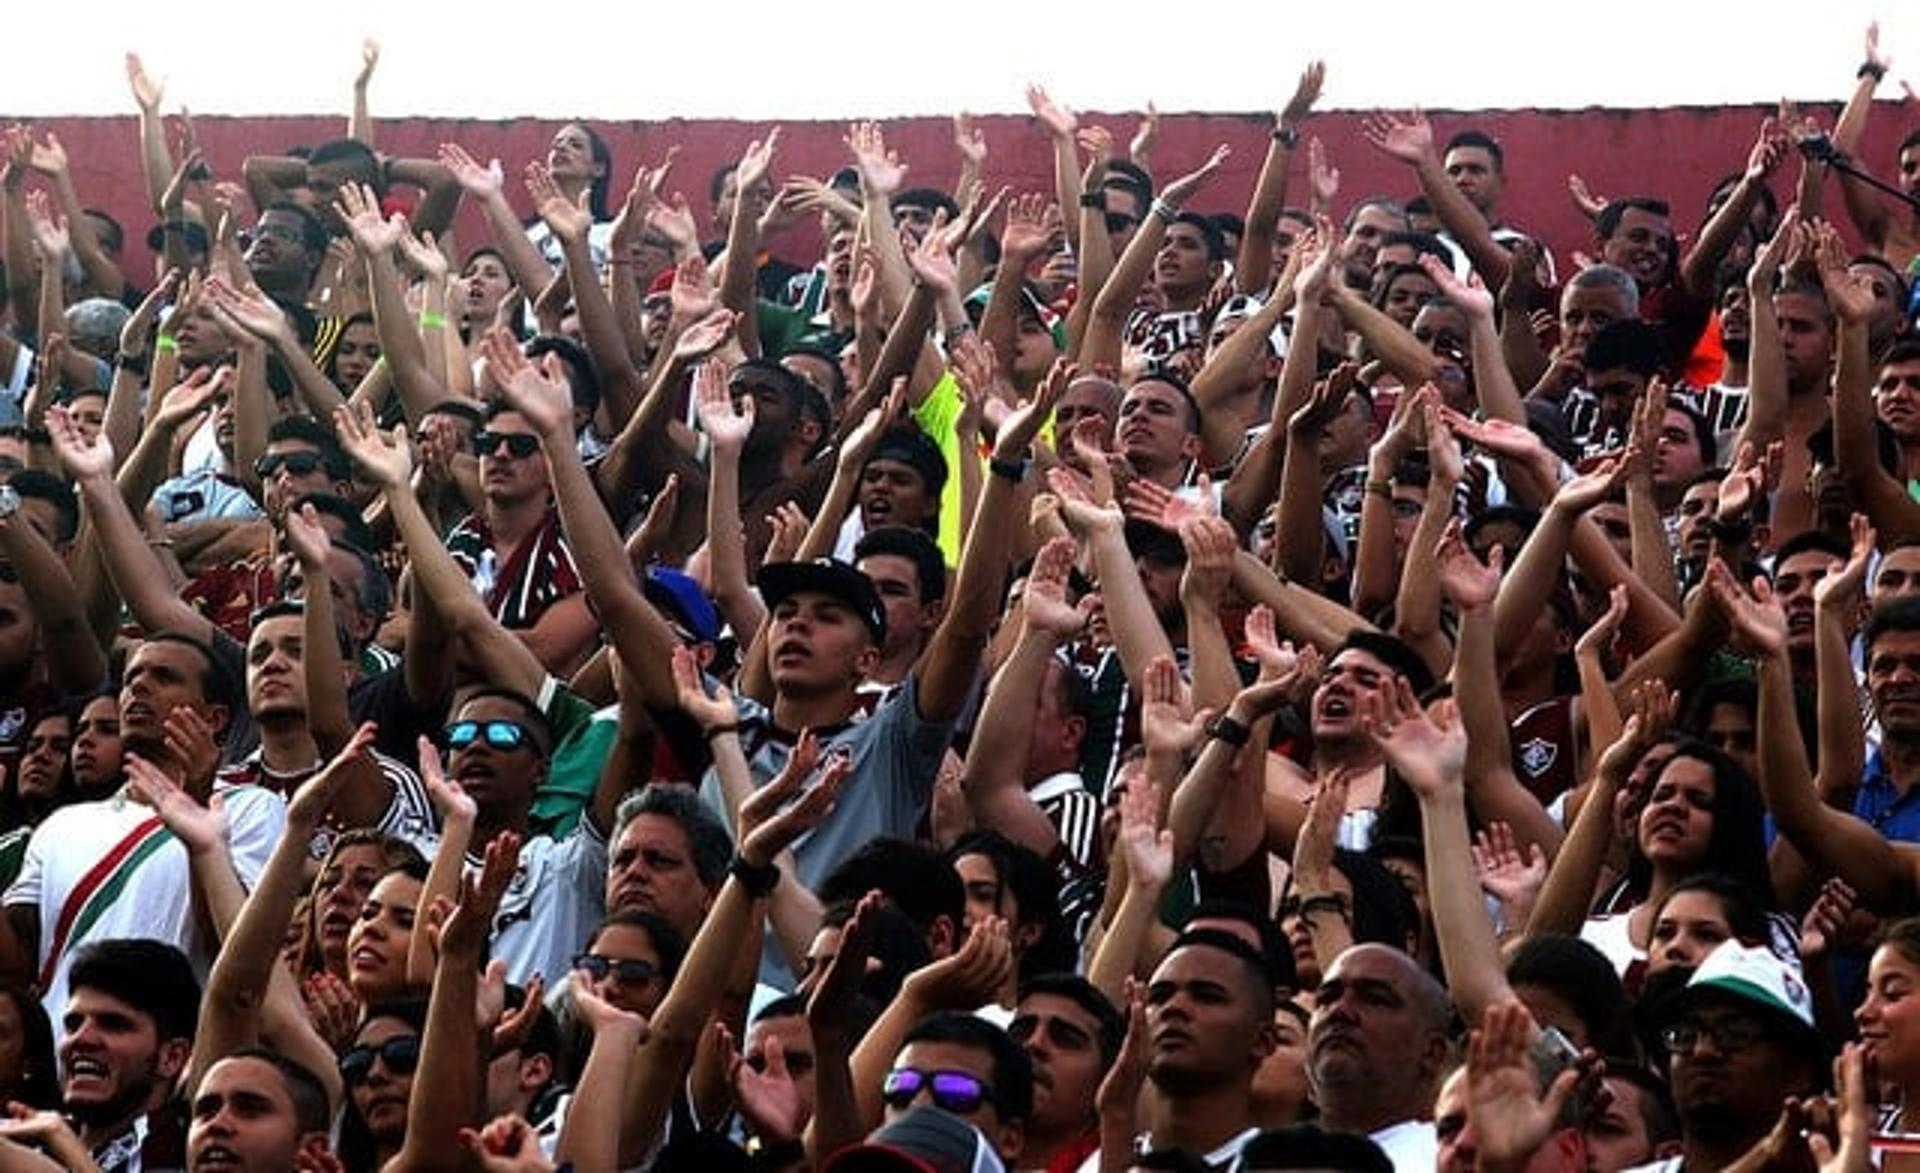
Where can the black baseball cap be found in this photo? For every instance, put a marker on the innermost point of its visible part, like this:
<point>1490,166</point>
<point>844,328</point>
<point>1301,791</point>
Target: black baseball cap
<point>830,577</point>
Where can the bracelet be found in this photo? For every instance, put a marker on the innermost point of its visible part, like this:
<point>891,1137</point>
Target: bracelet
<point>1871,69</point>
<point>1379,487</point>
<point>956,332</point>
<point>1012,470</point>
<point>1094,199</point>
<point>165,344</point>
<point>1225,728</point>
<point>1286,136</point>
<point>722,730</point>
<point>758,879</point>
<point>1166,211</point>
<point>432,321</point>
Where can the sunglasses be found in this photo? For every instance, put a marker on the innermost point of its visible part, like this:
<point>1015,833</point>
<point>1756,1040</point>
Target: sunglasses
<point>1120,222</point>
<point>520,445</point>
<point>400,1054</point>
<point>499,734</point>
<point>952,1091</point>
<point>625,971</point>
<point>297,464</point>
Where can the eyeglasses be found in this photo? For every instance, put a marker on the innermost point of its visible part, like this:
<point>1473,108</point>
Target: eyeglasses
<point>401,1055</point>
<point>952,1091</point>
<point>1728,1034</point>
<point>520,445</point>
<point>626,971</point>
<point>499,734</point>
<point>297,464</point>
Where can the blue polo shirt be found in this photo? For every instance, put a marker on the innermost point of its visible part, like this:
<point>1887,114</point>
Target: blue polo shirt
<point>1885,809</point>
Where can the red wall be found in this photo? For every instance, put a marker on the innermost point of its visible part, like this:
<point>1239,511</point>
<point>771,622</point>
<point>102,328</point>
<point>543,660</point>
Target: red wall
<point>1674,153</point>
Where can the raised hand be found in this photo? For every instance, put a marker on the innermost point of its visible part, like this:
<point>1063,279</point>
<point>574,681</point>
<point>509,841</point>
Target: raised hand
<point>1511,1120</point>
<point>383,458</point>
<point>1305,93</point>
<point>1210,543</point>
<point>757,162</point>
<point>689,688</point>
<point>252,311</point>
<point>449,798</point>
<point>932,259</point>
<point>1032,229</point>
<point>777,832</point>
<point>309,541</point>
<point>1323,179</point>
<point>465,931</point>
<point>1059,121</point>
<point>725,422</point>
<point>1757,621</point>
<point>80,457</point>
<point>1083,516</point>
<point>1428,751</point>
<point>1598,637</point>
<point>1651,706</point>
<point>508,1144</point>
<point>1147,845</point>
<point>147,93</point>
<point>310,803</point>
<point>49,227</point>
<point>49,158</point>
<point>199,828</point>
<point>1471,295</point>
<point>541,394</point>
<point>1850,293</point>
<point>1408,139</point>
<point>1589,489</point>
<point>1770,149</point>
<point>706,335</point>
<point>1845,587</point>
<point>1168,723</point>
<point>369,59</point>
<point>1182,189</point>
<point>1045,607</point>
<point>568,219</point>
<point>1468,583</point>
<point>971,977</point>
<point>359,207</point>
<point>1507,873</point>
<point>881,171</point>
<point>969,141</point>
<point>768,1098</point>
<point>475,180</point>
<point>1146,135</point>
<point>1022,424</point>
<point>1820,929</point>
<point>1320,831</point>
<point>187,399</point>
<point>422,255</point>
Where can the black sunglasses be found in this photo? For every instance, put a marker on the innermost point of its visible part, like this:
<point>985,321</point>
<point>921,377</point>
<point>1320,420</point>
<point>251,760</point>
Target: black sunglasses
<point>626,971</point>
<point>298,464</point>
<point>953,1091</point>
<point>499,734</point>
<point>401,1055</point>
<point>520,445</point>
<point>1120,222</point>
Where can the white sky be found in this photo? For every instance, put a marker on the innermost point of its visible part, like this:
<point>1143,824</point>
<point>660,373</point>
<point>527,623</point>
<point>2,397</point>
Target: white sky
<point>836,58</point>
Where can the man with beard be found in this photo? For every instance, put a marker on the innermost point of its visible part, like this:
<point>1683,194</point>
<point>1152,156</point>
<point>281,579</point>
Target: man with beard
<point>257,1112</point>
<point>1375,1051</point>
<point>1740,1040</point>
<point>1209,1027</point>
<point>95,871</point>
<point>126,1033</point>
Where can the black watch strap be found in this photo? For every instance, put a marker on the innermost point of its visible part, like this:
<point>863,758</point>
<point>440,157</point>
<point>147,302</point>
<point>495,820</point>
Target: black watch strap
<point>1225,728</point>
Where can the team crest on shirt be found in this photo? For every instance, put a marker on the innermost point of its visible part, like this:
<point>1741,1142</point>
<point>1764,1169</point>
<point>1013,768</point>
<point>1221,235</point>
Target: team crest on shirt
<point>1537,756</point>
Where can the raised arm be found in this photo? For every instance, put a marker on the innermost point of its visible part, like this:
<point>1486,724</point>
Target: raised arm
<point>1833,841</point>
<point>1254,264</point>
<point>1767,358</point>
<point>1410,140</point>
<point>402,351</point>
<point>1702,262</point>
<point>50,159</point>
<point>1135,267</point>
<point>1856,448</point>
<point>76,664</point>
<point>486,186</point>
<point>360,122</point>
<point>1871,211</point>
<point>1060,124</point>
<point>571,223</point>
<point>1416,609</point>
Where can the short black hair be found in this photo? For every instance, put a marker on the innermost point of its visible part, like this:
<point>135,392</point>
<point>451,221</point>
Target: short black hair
<point>311,1110</point>
<point>582,377</point>
<point>305,429</point>
<point>1275,951</point>
<point>1308,1146</point>
<point>42,485</point>
<point>1901,615</point>
<point>1035,887</point>
<point>533,715</point>
<point>792,387</point>
<point>151,976</point>
<point>1811,539</point>
<point>1395,653</point>
<point>930,198</point>
<point>1608,221</point>
<point>1424,244</point>
<point>914,876</point>
<point>666,939</point>
<point>903,541</point>
<point>1628,344</point>
<point>313,234</point>
<point>1582,977</point>
<point>216,682</point>
<point>1481,139</point>
<point>357,531</point>
<point>1087,996</point>
<point>1905,348</point>
<point>354,154</point>
<point>1012,1067</point>
<point>1209,232</point>
<point>1704,437</point>
<point>1130,175</point>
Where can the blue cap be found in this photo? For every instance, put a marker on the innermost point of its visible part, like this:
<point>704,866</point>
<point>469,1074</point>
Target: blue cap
<point>675,592</point>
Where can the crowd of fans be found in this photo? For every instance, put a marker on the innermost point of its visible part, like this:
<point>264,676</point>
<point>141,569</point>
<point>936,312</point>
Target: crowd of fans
<point>1062,681</point>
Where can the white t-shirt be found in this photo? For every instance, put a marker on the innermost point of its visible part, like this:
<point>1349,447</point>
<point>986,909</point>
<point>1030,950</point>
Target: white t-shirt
<point>155,902</point>
<point>1412,1145</point>
<point>557,896</point>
